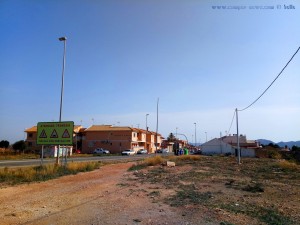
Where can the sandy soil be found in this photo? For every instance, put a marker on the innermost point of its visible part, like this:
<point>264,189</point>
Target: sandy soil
<point>113,195</point>
<point>103,196</point>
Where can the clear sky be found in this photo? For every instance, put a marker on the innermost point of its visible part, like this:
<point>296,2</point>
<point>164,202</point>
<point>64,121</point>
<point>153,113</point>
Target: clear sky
<point>122,55</point>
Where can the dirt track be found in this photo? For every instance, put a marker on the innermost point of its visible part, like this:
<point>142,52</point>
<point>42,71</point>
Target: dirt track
<point>98,197</point>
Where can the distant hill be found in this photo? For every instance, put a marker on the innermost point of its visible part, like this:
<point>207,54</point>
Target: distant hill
<point>265,141</point>
<point>281,144</point>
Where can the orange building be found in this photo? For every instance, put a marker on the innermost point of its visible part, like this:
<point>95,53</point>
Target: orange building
<point>113,138</point>
<point>116,139</point>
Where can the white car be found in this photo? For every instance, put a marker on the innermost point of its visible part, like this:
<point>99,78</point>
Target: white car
<point>101,151</point>
<point>128,152</point>
<point>142,151</point>
<point>165,150</point>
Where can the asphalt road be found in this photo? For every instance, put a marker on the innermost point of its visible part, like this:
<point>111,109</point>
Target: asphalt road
<point>37,162</point>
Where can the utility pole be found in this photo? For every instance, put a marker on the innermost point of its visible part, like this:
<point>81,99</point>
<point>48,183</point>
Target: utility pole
<point>146,131</point>
<point>195,134</point>
<point>156,123</point>
<point>238,138</point>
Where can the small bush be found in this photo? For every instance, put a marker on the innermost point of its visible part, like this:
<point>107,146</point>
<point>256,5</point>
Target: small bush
<point>274,154</point>
<point>273,217</point>
<point>257,187</point>
<point>153,161</point>
<point>269,153</point>
<point>154,193</point>
<point>188,158</point>
<point>138,166</point>
<point>287,165</point>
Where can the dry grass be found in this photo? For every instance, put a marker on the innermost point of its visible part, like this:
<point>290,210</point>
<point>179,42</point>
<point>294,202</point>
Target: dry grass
<point>287,165</point>
<point>259,187</point>
<point>18,156</point>
<point>153,161</point>
<point>42,173</point>
<point>159,160</point>
<point>184,158</point>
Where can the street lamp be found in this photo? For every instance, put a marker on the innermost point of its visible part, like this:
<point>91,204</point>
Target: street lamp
<point>64,39</point>
<point>195,135</point>
<point>146,131</point>
<point>147,121</point>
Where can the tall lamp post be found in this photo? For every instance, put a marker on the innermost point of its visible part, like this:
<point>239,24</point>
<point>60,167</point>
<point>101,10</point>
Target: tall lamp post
<point>64,39</point>
<point>193,138</point>
<point>195,134</point>
<point>147,121</point>
<point>146,131</point>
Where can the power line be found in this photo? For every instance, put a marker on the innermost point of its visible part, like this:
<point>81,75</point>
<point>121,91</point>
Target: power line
<point>271,83</point>
<point>231,121</point>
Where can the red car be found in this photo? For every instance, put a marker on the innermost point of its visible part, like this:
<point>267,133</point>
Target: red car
<point>77,151</point>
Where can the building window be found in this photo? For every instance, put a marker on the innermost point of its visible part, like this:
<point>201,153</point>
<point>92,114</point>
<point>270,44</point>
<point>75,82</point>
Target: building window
<point>29,144</point>
<point>91,143</point>
<point>30,135</point>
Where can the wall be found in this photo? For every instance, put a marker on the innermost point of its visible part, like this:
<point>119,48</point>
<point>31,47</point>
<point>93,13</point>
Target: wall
<point>216,146</point>
<point>114,141</point>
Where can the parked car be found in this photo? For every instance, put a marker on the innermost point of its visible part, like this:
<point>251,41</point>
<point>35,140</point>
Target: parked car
<point>101,151</point>
<point>165,150</point>
<point>142,151</point>
<point>128,152</point>
<point>77,151</point>
<point>196,152</point>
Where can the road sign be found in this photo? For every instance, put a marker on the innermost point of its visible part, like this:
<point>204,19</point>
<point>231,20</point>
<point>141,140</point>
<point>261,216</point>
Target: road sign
<point>55,133</point>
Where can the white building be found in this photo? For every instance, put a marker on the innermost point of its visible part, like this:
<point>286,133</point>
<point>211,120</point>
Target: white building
<point>216,146</point>
<point>219,146</point>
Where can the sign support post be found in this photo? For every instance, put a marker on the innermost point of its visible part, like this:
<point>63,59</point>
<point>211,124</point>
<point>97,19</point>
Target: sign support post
<point>42,156</point>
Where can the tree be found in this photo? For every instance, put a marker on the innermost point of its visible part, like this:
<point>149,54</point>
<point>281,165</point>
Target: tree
<point>4,144</point>
<point>19,145</point>
<point>171,137</point>
<point>274,145</point>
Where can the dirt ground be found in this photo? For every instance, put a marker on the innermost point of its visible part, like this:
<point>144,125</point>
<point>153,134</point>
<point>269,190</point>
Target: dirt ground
<point>96,197</point>
<point>114,195</point>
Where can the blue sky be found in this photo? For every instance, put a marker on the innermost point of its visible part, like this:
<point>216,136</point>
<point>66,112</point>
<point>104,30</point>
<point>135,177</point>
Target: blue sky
<point>122,56</point>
